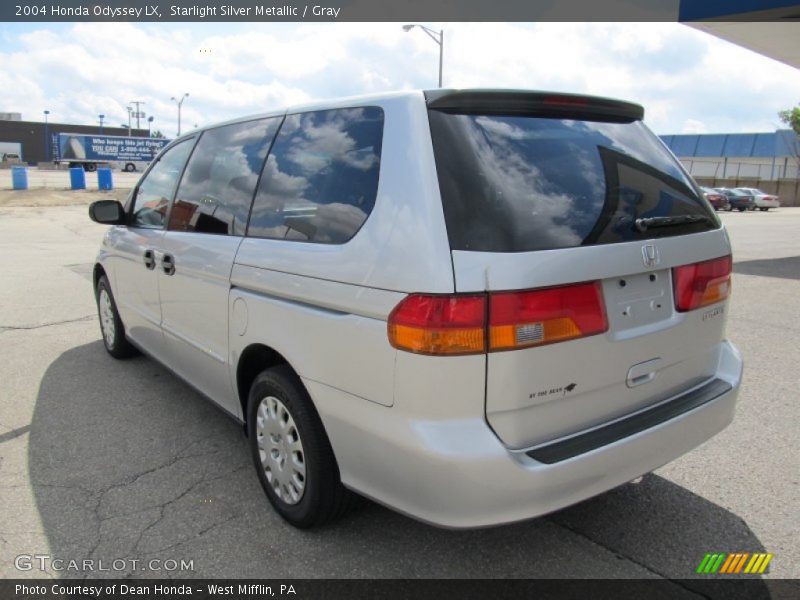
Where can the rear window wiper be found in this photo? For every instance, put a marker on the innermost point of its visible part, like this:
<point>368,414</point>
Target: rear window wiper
<point>646,223</point>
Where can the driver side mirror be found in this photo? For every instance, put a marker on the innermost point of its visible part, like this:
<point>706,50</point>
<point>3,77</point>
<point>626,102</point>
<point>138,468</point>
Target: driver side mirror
<point>107,212</point>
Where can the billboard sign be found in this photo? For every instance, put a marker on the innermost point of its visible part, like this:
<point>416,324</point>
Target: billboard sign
<point>76,146</point>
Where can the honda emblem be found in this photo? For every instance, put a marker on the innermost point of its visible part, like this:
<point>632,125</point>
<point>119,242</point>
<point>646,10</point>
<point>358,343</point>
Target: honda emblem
<point>650,255</point>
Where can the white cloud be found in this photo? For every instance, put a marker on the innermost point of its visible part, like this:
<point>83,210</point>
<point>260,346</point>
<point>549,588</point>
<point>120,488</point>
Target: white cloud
<point>693,126</point>
<point>687,80</point>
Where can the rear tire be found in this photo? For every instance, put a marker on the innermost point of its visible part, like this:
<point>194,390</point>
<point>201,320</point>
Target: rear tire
<point>742,209</point>
<point>130,168</point>
<point>764,209</point>
<point>111,326</point>
<point>291,452</point>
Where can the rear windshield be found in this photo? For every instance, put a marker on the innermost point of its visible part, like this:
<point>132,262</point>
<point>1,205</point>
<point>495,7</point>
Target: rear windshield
<point>518,183</point>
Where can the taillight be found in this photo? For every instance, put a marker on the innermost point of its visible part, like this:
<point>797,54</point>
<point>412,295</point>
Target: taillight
<point>701,284</point>
<point>531,318</point>
<point>457,324</point>
<point>428,324</point>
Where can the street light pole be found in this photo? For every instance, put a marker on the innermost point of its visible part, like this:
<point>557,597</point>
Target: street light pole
<point>436,36</point>
<point>149,126</point>
<point>180,103</point>
<point>130,112</point>
<point>46,138</point>
<point>101,122</point>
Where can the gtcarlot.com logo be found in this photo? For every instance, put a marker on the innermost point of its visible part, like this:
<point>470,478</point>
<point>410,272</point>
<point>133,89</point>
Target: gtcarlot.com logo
<point>734,563</point>
<point>46,562</point>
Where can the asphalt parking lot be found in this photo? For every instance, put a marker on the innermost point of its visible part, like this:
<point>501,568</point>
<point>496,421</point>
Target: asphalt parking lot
<point>108,459</point>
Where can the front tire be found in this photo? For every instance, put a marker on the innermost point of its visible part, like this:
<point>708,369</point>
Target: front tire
<point>111,326</point>
<point>291,451</point>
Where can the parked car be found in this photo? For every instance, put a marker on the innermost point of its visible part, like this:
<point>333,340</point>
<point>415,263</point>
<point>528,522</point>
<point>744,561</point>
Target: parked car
<point>717,199</point>
<point>472,306</point>
<point>763,200</point>
<point>738,199</point>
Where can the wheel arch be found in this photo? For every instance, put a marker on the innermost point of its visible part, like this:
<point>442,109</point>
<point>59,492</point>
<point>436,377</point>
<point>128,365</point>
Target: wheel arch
<point>254,359</point>
<point>97,273</point>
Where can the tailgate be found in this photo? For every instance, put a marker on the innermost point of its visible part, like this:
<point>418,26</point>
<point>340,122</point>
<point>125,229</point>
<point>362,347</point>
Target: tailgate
<point>575,195</point>
<point>649,353</point>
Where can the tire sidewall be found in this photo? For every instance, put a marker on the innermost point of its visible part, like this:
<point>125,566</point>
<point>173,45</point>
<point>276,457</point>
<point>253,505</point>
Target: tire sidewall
<point>289,391</point>
<point>116,348</point>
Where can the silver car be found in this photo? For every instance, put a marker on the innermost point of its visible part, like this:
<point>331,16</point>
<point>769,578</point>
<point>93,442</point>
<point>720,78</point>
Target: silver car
<point>763,200</point>
<point>472,306</point>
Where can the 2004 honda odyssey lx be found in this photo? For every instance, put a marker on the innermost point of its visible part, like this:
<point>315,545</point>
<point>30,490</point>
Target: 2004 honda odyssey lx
<point>472,306</point>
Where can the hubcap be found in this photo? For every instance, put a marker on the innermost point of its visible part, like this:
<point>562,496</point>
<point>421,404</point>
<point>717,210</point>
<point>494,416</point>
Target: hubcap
<point>107,318</point>
<point>280,450</point>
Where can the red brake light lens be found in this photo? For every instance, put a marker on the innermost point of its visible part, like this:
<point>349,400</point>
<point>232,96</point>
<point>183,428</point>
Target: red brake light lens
<point>566,101</point>
<point>428,324</point>
<point>536,317</point>
<point>701,284</point>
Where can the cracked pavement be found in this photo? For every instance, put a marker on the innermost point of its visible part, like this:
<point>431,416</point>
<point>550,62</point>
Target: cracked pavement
<point>105,459</point>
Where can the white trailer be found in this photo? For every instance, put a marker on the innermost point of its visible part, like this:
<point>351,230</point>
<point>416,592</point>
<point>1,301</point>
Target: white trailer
<point>126,153</point>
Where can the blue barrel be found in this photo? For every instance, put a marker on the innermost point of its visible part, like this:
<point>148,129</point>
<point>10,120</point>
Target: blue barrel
<point>19,178</point>
<point>104,179</point>
<point>77,178</point>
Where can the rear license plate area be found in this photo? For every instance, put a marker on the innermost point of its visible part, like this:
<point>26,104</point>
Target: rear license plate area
<point>634,301</point>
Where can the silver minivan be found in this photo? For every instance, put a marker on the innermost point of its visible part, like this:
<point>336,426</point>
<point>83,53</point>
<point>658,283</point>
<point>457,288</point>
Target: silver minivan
<point>472,306</point>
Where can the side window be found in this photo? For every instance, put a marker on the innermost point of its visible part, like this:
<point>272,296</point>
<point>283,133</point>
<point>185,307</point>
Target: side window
<point>217,188</point>
<point>321,178</point>
<point>156,189</point>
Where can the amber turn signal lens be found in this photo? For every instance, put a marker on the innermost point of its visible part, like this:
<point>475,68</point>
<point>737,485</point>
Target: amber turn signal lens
<point>544,316</point>
<point>440,325</point>
<point>701,284</point>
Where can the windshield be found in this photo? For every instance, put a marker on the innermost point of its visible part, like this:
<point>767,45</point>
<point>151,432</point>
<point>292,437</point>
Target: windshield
<point>518,183</point>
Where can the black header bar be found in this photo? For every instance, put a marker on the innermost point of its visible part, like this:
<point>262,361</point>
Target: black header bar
<point>392,10</point>
<point>751,588</point>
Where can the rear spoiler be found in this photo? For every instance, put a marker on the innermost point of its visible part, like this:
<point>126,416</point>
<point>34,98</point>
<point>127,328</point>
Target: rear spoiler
<point>538,104</point>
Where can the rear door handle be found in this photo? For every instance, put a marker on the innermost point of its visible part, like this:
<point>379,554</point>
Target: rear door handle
<point>643,372</point>
<point>168,264</point>
<point>149,259</point>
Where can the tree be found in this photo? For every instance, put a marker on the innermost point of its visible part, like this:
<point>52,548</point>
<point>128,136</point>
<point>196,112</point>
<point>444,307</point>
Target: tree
<point>157,134</point>
<point>792,118</point>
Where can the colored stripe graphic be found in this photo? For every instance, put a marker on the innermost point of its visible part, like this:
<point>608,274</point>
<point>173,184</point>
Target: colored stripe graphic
<point>703,563</point>
<point>741,562</point>
<point>727,564</point>
<point>718,562</point>
<point>754,563</point>
<point>764,564</point>
<point>735,563</point>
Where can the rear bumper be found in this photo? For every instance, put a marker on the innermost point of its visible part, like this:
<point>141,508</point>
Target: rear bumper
<point>763,203</point>
<point>457,473</point>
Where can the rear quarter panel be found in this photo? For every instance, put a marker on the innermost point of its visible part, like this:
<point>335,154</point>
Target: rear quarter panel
<point>324,307</point>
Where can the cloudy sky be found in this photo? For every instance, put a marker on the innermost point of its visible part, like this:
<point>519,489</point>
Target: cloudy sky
<point>687,80</point>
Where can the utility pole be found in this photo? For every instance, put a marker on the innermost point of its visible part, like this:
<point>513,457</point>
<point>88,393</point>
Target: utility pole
<point>130,113</point>
<point>138,114</point>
